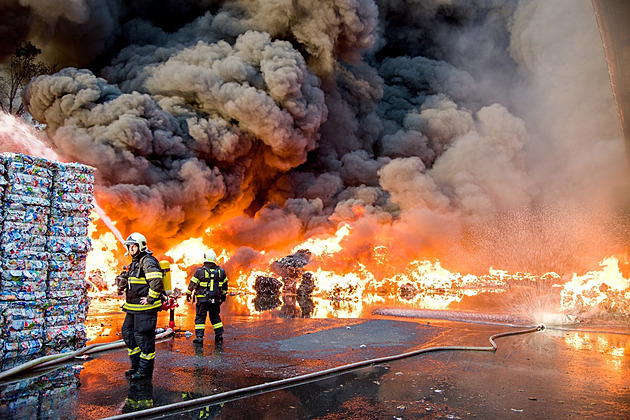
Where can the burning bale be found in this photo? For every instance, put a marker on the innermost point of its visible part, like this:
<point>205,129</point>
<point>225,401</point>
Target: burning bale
<point>291,270</point>
<point>267,285</point>
<point>268,293</point>
<point>44,215</point>
<point>307,285</point>
<point>408,291</point>
<point>295,281</point>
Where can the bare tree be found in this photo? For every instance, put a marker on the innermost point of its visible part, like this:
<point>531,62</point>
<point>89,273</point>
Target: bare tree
<point>21,69</point>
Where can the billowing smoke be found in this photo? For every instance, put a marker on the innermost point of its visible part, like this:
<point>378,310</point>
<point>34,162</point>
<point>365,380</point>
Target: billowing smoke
<point>445,129</point>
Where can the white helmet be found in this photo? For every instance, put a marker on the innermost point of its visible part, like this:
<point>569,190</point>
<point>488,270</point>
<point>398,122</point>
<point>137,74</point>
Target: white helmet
<point>210,256</point>
<point>138,239</point>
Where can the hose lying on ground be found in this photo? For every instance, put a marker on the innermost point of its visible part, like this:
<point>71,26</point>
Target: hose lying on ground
<point>53,359</point>
<point>302,379</point>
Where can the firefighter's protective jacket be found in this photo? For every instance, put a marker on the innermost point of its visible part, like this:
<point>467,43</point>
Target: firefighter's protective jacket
<point>209,280</point>
<point>144,280</point>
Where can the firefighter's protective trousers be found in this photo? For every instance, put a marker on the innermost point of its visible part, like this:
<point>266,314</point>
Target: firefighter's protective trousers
<point>138,332</point>
<point>213,312</point>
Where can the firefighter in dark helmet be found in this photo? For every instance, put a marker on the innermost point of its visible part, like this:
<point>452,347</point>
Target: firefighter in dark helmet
<point>142,285</point>
<point>210,285</point>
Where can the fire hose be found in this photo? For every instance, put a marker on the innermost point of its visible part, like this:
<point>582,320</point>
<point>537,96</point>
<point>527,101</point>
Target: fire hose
<point>249,391</point>
<point>54,359</point>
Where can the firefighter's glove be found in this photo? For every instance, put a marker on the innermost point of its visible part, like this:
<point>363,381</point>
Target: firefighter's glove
<point>122,283</point>
<point>188,297</point>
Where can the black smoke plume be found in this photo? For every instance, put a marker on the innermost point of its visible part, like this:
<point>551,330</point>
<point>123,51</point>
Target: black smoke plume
<point>260,123</point>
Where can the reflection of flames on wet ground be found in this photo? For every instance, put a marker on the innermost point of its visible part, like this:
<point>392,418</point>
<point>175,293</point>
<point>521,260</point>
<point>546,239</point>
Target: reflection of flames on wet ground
<point>302,284</point>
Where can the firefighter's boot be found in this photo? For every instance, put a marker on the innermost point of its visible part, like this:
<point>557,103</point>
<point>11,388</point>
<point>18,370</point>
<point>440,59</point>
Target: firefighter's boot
<point>135,363</point>
<point>199,337</point>
<point>145,370</point>
<point>218,335</point>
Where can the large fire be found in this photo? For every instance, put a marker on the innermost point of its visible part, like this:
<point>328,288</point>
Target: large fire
<point>421,284</point>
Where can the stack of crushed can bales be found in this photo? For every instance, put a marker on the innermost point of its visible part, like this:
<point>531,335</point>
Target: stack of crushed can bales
<point>44,214</point>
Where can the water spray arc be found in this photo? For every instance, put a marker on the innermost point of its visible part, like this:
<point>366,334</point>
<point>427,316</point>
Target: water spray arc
<point>105,218</point>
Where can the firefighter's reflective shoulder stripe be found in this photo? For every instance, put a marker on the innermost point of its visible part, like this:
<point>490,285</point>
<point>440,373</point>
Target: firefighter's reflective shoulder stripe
<point>205,275</point>
<point>210,277</point>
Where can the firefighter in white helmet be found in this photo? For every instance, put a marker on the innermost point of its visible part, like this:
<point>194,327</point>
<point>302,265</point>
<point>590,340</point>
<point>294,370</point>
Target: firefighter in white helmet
<point>210,285</point>
<point>142,285</point>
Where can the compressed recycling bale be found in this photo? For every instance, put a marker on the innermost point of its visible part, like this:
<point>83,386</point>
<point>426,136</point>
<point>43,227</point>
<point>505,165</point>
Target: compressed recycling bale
<point>64,218</point>
<point>16,281</point>
<point>61,262</point>
<point>20,213</point>
<point>45,214</point>
<point>16,390</point>
<point>24,264</point>
<point>29,179</point>
<point>78,245</point>
<point>69,319</point>
<point>25,229</point>
<point>25,164</point>
<point>16,296</point>
<point>60,230</point>
<point>60,334</point>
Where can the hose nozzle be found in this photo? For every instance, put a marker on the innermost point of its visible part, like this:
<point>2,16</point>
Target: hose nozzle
<point>541,327</point>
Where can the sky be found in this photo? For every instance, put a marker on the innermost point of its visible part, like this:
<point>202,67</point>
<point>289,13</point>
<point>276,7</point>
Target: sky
<point>480,133</point>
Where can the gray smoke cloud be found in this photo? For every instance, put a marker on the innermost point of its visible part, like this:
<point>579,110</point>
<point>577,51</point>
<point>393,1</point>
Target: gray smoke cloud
<point>425,124</point>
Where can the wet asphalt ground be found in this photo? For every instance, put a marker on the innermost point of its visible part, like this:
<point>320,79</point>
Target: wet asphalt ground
<point>554,374</point>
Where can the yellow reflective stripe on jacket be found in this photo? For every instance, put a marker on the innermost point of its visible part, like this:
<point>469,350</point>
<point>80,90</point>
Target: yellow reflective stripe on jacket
<point>137,280</point>
<point>153,275</point>
<point>140,307</point>
<point>154,294</point>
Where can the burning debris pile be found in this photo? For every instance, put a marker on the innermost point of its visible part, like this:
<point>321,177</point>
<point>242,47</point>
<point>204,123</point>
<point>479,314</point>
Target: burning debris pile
<point>294,280</point>
<point>44,215</point>
<point>291,270</point>
<point>293,277</point>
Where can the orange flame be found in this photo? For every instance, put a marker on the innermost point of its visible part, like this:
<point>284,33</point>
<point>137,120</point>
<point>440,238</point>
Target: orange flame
<point>421,283</point>
<point>598,290</point>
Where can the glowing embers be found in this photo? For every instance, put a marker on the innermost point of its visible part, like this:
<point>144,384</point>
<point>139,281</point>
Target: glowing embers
<point>598,291</point>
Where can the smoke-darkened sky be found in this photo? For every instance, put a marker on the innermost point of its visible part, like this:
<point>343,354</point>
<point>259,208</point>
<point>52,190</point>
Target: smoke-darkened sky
<point>427,124</point>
